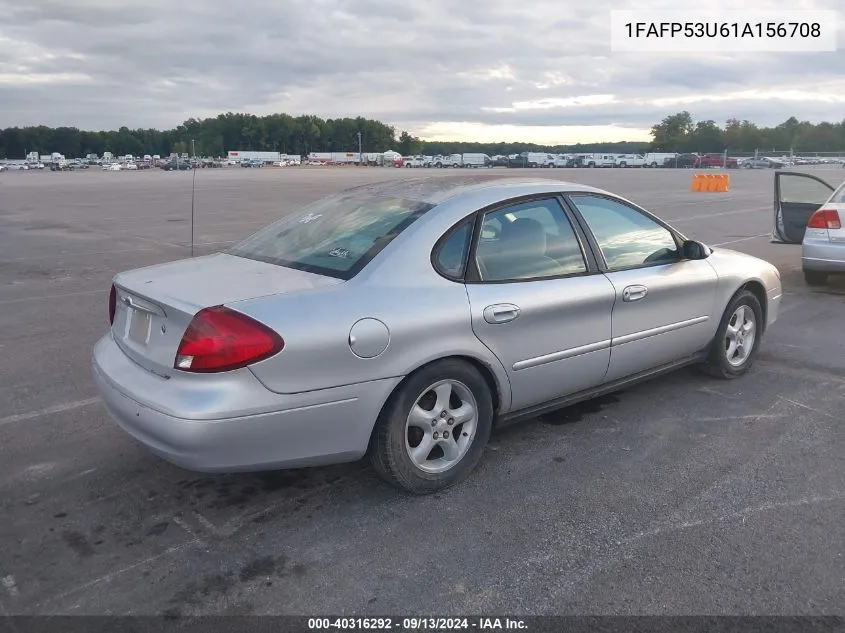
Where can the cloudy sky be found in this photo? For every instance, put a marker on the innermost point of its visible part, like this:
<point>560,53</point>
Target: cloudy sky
<point>443,69</point>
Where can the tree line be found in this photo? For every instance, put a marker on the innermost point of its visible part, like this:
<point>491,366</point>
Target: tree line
<point>680,133</point>
<point>301,135</point>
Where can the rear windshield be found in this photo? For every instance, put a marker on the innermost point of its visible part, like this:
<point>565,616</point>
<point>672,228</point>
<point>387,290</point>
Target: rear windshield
<point>335,236</point>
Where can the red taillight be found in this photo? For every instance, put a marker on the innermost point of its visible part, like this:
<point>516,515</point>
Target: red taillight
<point>220,339</point>
<point>112,304</point>
<point>825,219</point>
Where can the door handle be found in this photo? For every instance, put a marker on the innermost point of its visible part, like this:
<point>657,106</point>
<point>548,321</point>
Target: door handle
<point>634,293</point>
<point>501,313</point>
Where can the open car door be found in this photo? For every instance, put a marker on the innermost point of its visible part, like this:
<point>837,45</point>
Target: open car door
<point>797,196</point>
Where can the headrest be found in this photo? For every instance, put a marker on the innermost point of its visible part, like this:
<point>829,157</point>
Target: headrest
<point>525,237</point>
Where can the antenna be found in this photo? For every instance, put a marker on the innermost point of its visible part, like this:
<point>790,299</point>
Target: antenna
<point>193,190</point>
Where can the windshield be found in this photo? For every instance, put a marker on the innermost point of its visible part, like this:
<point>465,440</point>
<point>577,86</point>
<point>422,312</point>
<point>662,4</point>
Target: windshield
<point>335,236</point>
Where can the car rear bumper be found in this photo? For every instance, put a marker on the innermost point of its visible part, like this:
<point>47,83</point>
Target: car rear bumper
<point>292,430</point>
<point>823,256</point>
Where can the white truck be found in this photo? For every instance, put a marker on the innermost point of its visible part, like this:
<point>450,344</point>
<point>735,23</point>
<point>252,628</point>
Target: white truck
<point>537,159</point>
<point>476,160</point>
<point>240,156</point>
<point>658,159</point>
<point>599,160</point>
<point>334,158</point>
<point>449,160</point>
<point>559,160</point>
<point>630,160</point>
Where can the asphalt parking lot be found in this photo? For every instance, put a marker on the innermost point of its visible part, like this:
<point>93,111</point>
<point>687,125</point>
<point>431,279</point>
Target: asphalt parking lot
<point>682,495</point>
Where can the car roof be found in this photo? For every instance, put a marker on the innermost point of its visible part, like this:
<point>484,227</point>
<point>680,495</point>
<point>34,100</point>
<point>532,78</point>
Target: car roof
<point>436,190</point>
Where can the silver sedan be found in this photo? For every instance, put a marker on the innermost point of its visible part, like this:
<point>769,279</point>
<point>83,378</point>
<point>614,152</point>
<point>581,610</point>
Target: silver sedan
<point>406,320</point>
<point>809,211</point>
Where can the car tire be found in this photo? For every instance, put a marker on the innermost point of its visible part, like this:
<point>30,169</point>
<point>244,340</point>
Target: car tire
<point>396,435</point>
<point>724,362</point>
<point>815,278</point>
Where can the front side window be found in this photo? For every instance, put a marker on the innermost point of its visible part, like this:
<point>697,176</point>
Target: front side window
<point>807,190</point>
<point>529,240</point>
<point>335,236</point>
<point>626,237</point>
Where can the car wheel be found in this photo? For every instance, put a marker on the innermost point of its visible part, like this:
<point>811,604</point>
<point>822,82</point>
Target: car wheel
<point>815,278</point>
<point>433,430</point>
<point>737,338</point>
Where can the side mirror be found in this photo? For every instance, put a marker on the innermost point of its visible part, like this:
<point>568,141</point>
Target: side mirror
<point>694,250</point>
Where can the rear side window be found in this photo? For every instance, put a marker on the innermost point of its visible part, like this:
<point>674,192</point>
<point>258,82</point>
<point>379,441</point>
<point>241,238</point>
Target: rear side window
<point>451,256</point>
<point>529,240</point>
<point>335,236</point>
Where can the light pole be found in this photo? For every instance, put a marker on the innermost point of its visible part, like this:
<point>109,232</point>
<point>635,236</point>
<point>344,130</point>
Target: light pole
<point>360,155</point>
<point>194,147</point>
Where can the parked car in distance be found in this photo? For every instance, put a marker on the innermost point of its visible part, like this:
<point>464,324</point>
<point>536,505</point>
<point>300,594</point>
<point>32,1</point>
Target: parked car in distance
<point>810,212</point>
<point>763,162</point>
<point>658,159</point>
<point>681,161</point>
<point>631,160</point>
<point>703,161</point>
<point>527,296</point>
<point>176,165</point>
<point>600,160</point>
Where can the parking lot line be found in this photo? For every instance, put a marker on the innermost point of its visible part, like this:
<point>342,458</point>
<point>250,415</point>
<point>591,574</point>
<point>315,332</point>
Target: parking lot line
<point>740,514</point>
<point>808,407</point>
<point>119,572</point>
<point>63,255</point>
<point>59,408</point>
<point>744,239</point>
<point>707,216</point>
<point>58,296</point>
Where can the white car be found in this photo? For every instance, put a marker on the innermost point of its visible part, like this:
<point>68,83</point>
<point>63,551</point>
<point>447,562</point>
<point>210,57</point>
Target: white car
<point>113,167</point>
<point>131,166</point>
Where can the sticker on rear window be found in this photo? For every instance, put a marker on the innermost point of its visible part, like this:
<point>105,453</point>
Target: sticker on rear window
<point>340,252</point>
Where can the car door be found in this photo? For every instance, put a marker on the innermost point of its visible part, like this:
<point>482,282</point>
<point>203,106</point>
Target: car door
<point>538,300</point>
<point>663,309</point>
<point>797,196</point>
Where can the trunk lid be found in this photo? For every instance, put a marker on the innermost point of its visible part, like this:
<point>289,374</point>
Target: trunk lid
<point>156,304</point>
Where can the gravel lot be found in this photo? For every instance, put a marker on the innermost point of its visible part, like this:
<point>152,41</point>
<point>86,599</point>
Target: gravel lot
<point>683,495</point>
